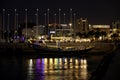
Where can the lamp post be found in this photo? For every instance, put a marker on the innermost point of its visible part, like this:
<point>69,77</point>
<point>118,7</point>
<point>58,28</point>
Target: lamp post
<point>3,22</point>
<point>70,24</point>
<point>55,23</point>
<point>37,22</point>
<point>64,17</point>
<point>15,21</point>
<point>45,22</point>
<point>8,23</point>
<point>26,21</point>
<point>74,24</point>
<point>45,19</point>
<point>59,17</point>
<point>37,17</point>
<point>48,15</point>
<point>55,18</point>
<point>48,20</point>
<point>71,16</point>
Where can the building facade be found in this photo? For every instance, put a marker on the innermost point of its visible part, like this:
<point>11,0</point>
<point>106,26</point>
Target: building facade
<point>105,28</point>
<point>34,32</point>
<point>60,30</point>
<point>82,26</point>
<point>116,26</point>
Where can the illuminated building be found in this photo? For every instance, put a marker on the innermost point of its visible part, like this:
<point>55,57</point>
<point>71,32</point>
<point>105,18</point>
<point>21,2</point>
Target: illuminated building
<point>39,30</point>
<point>35,31</point>
<point>29,32</point>
<point>60,30</point>
<point>105,28</point>
<point>115,26</point>
<point>102,29</point>
<point>82,26</point>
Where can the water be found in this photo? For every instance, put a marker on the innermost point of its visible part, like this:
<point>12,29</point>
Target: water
<point>38,68</point>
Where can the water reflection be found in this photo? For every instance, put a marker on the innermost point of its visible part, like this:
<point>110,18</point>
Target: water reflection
<point>30,70</point>
<point>57,69</point>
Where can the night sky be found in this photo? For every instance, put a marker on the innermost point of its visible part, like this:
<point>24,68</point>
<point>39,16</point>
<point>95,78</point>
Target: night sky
<point>97,12</point>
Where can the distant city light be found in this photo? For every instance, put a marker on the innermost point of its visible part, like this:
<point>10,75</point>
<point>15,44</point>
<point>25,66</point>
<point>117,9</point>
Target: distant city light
<point>101,26</point>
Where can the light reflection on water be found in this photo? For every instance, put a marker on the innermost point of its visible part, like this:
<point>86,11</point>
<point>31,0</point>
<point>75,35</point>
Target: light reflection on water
<point>37,68</point>
<point>57,69</point>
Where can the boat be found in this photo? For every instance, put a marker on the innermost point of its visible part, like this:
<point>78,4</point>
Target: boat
<point>42,48</point>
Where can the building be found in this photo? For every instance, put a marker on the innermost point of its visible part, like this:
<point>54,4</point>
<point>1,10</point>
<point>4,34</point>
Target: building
<point>102,32</point>
<point>115,26</point>
<point>82,26</point>
<point>29,32</point>
<point>34,32</point>
<point>60,30</point>
<point>39,30</point>
<point>105,28</point>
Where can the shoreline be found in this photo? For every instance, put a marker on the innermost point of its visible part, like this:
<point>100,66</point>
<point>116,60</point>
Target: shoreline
<point>25,49</point>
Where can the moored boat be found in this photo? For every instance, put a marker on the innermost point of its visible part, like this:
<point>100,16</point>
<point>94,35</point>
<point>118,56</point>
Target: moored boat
<point>62,49</point>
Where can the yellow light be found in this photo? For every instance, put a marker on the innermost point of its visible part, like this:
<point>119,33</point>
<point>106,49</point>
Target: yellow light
<point>70,24</point>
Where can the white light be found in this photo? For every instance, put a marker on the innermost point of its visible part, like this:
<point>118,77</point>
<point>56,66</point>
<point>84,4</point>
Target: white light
<point>52,31</point>
<point>59,9</point>
<point>42,36</point>
<point>70,24</point>
<point>48,9</point>
<point>81,61</point>
<point>39,37</point>
<point>101,26</point>
<point>100,38</point>
<point>63,24</point>
<point>25,9</point>
<point>3,9</point>
<point>85,61</point>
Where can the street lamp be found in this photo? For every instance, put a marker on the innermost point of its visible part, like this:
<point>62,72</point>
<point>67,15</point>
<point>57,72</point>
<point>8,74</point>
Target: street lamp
<point>45,23</point>
<point>55,18</point>
<point>71,15</point>
<point>15,20</point>
<point>8,22</point>
<point>48,15</point>
<point>26,21</point>
<point>48,20</point>
<point>64,17</point>
<point>59,17</point>
<point>37,17</point>
<point>70,24</point>
<point>45,18</point>
<point>55,23</point>
<point>74,24</point>
<point>3,22</point>
<point>37,22</point>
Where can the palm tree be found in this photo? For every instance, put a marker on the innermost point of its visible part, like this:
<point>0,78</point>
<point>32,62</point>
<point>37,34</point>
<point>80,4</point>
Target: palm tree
<point>103,34</point>
<point>79,34</point>
<point>91,33</point>
<point>114,36</point>
<point>97,33</point>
